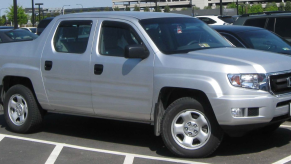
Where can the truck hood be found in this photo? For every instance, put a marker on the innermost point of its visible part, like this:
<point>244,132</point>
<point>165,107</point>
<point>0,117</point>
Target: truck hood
<point>243,60</point>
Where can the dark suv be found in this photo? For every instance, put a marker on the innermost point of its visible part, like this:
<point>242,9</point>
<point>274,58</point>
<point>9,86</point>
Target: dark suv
<point>277,22</point>
<point>43,23</point>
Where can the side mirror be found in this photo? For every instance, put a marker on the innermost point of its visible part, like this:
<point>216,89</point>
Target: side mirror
<point>136,51</point>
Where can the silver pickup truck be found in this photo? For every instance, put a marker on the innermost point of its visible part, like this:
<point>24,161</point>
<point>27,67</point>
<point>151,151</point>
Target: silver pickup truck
<point>171,71</point>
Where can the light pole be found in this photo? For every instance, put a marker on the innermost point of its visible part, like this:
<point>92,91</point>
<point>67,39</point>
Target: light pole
<point>32,15</point>
<point>64,9</point>
<point>39,10</point>
<point>15,14</point>
<point>80,5</point>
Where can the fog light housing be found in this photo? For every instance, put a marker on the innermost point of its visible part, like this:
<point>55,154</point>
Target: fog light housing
<point>237,112</point>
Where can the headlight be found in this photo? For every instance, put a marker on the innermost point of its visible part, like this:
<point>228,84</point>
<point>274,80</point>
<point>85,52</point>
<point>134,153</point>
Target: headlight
<point>251,81</point>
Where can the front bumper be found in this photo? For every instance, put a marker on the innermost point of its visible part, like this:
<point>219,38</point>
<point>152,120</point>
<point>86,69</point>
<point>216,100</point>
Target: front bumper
<point>270,109</point>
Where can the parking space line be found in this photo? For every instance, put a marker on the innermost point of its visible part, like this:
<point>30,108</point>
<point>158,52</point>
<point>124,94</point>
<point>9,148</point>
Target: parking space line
<point>102,151</point>
<point>1,137</point>
<point>285,126</point>
<point>284,160</point>
<point>54,155</point>
<point>128,159</point>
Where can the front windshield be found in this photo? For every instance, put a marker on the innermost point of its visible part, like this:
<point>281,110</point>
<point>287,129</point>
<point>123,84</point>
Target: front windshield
<point>181,35</point>
<point>265,40</point>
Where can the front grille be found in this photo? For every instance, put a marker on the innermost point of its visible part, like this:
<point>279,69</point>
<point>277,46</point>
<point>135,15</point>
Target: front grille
<point>280,83</point>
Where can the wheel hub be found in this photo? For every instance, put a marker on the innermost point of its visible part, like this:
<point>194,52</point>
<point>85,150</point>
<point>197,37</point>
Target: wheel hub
<point>191,129</point>
<point>19,109</point>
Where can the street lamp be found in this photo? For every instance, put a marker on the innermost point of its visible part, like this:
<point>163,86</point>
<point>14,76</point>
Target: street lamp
<point>15,14</point>
<point>39,10</point>
<point>64,9</point>
<point>32,15</point>
<point>80,5</point>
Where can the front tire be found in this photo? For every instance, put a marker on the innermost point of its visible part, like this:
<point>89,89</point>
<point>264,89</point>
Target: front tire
<point>21,110</point>
<point>189,130</point>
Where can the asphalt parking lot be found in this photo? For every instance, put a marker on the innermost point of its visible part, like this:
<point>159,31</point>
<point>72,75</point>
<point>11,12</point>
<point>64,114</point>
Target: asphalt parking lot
<point>75,140</point>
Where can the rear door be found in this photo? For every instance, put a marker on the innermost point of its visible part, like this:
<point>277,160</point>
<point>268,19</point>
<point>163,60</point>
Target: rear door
<point>65,65</point>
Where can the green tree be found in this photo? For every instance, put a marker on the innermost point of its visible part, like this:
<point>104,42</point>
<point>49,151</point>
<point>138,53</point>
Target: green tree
<point>231,5</point>
<point>174,9</point>
<point>288,6</point>
<point>3,20</point>
<point>167,9</point>
<point>196,8</point>
<point>106,9</point>
<point>21,16</point>
<point>157,9</point>
<point>184,9</point>
<point>116,8</point>
<point>282,6</point>
<point>256,8</point>
<point>271,7</point>
<point>127,8</point>
<point>56,14</point>
<point>48,15</point>
<point>146,9</point>
<point>136,8</point>
<point>207,7</point>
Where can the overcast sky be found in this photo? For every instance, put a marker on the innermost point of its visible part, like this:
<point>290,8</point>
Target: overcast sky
<point>57,3</point>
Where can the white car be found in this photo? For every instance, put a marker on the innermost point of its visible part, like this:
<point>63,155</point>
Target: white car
<point>216,20</point>
<point>30,29</point>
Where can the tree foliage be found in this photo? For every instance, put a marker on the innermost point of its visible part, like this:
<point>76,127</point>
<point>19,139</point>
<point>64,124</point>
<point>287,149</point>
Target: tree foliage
<point>116,8</point>
<point>231,5</point>
<point>106,9</point>
<point>21,16</point>
<point>3,20</point>
<point>184,9</point>
<point>146,9</point>
<point>256,8</point>
<point>136,8</point>
<point>288,6</point>
<point>127,8</point>
<point>207,7</point>
<point>174,9</point>
<point>282,6</point>
<point>167,9</point>
<point>196,8</point>
<point>271,7</point>
<point>157,9</point>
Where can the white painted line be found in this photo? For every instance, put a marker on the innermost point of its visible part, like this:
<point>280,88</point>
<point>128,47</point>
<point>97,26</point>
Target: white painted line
<point>54,155</point>
<point>128,159</point>
<point>285,126</point>
<point>285,160</point>
<point>102,151</point>
<point>1,137</point>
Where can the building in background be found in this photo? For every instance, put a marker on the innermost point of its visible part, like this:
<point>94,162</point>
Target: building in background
<point>173,3</point>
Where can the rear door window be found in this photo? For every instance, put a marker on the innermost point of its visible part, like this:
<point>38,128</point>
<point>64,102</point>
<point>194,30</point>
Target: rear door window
<point>283,27</point>
<point>207,20</point>
<point>256,22</point>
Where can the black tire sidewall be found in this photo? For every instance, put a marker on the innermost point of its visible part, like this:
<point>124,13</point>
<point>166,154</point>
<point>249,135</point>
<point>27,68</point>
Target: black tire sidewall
<point>31,104</point>
<point>175,108</point>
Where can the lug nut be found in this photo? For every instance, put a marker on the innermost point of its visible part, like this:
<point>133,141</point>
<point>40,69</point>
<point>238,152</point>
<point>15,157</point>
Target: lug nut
<point>195,131</point>
<point>195,125</point>
<point>186,128</point>
<point>189,123</point>
<point>190,133</point>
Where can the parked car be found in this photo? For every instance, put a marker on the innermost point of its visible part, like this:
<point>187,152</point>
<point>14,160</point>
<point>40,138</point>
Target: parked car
<point>6,27</point>
<point>8,35</point>
<point>277,22</point>
<point>43,24</point>
<point>30,29</point>
<point>216,20</point>
<point>169,70</point>
<point>254,38</point>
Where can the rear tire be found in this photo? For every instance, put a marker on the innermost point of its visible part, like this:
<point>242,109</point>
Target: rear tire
<point>21,110</point>
<point>189,130</point>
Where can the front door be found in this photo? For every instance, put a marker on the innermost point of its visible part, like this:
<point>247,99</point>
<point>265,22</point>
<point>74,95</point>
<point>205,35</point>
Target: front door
<point>121,87</point>
<point>65,65</point>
